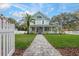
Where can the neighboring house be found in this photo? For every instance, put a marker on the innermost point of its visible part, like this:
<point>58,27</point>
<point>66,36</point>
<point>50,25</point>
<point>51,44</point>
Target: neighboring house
<point>40,24</point>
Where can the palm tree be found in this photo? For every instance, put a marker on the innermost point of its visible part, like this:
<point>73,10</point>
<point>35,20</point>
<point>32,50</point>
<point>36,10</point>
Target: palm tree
<point>27,19</point>
<point>2,16</point>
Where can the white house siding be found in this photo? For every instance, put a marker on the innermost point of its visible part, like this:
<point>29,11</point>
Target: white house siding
<point>41,21</point>
<point>46,22</point>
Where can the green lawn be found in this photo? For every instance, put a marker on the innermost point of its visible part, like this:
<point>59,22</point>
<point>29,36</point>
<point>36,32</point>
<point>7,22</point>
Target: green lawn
<point>63,41</point>
<point>23,40</point>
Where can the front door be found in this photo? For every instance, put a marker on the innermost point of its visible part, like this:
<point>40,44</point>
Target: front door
<point>39,30</point>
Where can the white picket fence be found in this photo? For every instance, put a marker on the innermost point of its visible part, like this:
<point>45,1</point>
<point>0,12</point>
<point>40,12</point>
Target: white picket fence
<point>72,32</point>
<point>7,38</point>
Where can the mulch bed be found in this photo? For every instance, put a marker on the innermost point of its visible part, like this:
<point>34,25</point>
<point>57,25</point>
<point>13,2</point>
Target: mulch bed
<point>19,52</point>
<point>63,51</point>
<point>69,51</point>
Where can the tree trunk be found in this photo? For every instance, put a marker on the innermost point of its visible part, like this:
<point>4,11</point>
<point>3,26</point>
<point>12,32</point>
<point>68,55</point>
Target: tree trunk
<point>28,27</point>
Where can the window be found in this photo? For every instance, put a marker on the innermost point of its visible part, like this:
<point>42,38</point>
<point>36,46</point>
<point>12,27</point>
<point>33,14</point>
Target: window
<point>46,29</point>
<point>43,22</point>
<point>39,17</point>
<point>33,28</point>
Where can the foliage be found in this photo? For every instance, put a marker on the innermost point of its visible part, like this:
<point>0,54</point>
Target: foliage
<point>22,27</point>
<point>11,20</point>
<point>66,20</point>
<point>27,19</point>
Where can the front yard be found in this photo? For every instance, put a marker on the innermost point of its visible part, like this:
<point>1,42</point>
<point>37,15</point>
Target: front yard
<point>66,44</point>
<point>22,41</point>
<point>63,41</point>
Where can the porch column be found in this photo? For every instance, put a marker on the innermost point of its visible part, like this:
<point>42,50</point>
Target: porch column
<point>30,29</point>
<point>35,29</point>
<point>43,29</point>
<point>51,28</point>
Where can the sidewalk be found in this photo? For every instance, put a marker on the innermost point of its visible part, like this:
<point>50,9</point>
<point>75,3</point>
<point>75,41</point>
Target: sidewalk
<point>41,47</point>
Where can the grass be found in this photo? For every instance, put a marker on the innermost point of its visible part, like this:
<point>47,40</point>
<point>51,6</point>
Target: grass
<point>63,41</point>
<point>22,41</point>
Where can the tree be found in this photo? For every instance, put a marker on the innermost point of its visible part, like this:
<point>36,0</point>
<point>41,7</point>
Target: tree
<point>27,19</point>
<point>12,20</point>
<point>22,27</point>
<point>1,15</point>
<point>69,21</point>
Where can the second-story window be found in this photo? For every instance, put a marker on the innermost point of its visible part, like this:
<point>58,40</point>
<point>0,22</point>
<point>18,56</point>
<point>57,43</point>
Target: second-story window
<point>43,22</point>
<point>39,17</point>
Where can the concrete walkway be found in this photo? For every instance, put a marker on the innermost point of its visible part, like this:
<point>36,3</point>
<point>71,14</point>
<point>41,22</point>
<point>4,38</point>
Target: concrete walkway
<point>41,47</point>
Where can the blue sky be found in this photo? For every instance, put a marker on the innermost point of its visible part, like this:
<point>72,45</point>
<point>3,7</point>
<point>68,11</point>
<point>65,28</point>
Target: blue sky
<point>50,9</point>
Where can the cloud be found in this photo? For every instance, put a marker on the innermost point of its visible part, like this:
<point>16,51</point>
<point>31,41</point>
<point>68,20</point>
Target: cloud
<point>51,9</point>
<point>61,8</point>
<point>21,6</point>
<point>17,14</point>
<point>4,5</point>
<point>64,7</point>
<point>8,5</point>
<point>21,13</point>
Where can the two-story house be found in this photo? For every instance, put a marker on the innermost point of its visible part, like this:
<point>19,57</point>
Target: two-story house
<point>40,24</point>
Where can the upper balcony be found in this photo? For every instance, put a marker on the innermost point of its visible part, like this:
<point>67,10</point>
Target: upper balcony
<point>41,22</point>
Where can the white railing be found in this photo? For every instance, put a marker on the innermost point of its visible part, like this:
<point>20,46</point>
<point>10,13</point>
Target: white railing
<point>7,38</point>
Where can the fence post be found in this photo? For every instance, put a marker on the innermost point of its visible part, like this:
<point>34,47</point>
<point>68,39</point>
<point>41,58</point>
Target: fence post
<point>0,38</point>
<point>4,39</point>
<point>0,44</point>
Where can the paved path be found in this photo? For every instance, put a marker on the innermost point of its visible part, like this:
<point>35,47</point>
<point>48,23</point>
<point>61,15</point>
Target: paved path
<point>41,47</point>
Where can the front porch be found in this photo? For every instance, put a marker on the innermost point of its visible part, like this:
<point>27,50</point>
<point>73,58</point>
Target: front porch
<point>41,29</point>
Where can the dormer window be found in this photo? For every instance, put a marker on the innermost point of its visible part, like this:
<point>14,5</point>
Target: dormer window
<point>39,17</point>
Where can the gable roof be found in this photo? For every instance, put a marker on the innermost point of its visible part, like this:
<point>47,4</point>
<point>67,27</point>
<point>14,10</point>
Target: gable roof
<point>41,14</point>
